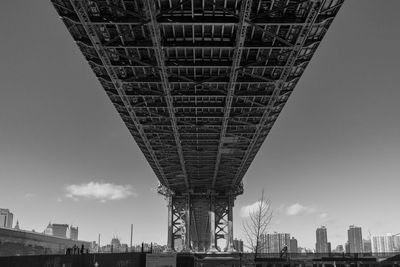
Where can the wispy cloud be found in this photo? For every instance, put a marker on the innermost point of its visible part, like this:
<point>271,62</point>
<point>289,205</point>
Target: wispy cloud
<point>326,218</point>
<point>280,209</point>
<point>29,195</point>
<point>323,215</point>
<point>246,210</point>
<point>298,209</point>
<point>99,191</point>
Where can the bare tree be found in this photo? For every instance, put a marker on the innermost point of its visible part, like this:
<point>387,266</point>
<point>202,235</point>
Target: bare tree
<point>257,224</point>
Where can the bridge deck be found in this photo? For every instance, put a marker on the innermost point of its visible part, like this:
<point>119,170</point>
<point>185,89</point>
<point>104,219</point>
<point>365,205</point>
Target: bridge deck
<point>198,83</point>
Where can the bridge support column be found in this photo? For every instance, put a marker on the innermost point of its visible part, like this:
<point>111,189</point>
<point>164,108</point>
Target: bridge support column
<point>212,248</point>
<point>229,241</point>
<point>200,222</point>
<point>170,240</point>
<point>186,225</point>
<point>179,214</point>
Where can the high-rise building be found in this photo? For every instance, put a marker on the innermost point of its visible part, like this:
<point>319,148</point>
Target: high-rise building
<point>115,244</point>
<point>389,242</point>
<point>6,218</point>
<point>273,243</point>
<point>377,244</point>
<point>367,246</point>
<point>355,239</point>
<point>60,230</point>
<point>238,245</point>
<point>396,243</point>
<point>263,247</point>
<point>384,244</point>
<point>347,247</point>
<point>321,245</point>
<point>293,245</point>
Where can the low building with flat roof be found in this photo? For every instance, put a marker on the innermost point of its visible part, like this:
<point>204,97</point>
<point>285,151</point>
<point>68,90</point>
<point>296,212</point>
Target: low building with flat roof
<point>14,242</point>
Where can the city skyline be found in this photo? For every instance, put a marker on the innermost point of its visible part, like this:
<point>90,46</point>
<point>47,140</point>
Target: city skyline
<point>67,157</point>
<point>273,240</point>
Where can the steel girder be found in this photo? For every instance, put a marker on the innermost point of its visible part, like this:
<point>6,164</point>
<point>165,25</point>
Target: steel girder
<point>159,55</point>
<point>198,83</point>
<point>237,56</point>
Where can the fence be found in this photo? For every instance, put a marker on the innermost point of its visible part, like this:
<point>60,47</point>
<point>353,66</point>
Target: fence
<point>138,259</point>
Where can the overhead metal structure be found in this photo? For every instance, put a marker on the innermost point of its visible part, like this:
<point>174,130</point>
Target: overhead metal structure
<point>199,84</point>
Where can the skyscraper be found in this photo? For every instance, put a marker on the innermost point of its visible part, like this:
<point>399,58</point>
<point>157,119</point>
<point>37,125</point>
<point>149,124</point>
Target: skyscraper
<point>293,245</point>
<point>355,239</point>
<point>273,243</point>
<point>6,218</point>
<point>321,245</point>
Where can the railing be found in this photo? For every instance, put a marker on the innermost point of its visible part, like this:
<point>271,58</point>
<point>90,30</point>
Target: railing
<point>310,255</point>
<point>136,249</point>
<point>138,259</point>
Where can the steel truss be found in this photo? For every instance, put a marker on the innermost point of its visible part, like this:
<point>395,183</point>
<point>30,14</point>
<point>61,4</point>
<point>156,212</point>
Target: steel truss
<point>197,221</point>
<point>199,85</point>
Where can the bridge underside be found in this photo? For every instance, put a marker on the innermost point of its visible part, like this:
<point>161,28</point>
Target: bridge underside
<point>199,84</point>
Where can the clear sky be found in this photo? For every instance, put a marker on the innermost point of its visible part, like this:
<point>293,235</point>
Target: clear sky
<point>332,158</point>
